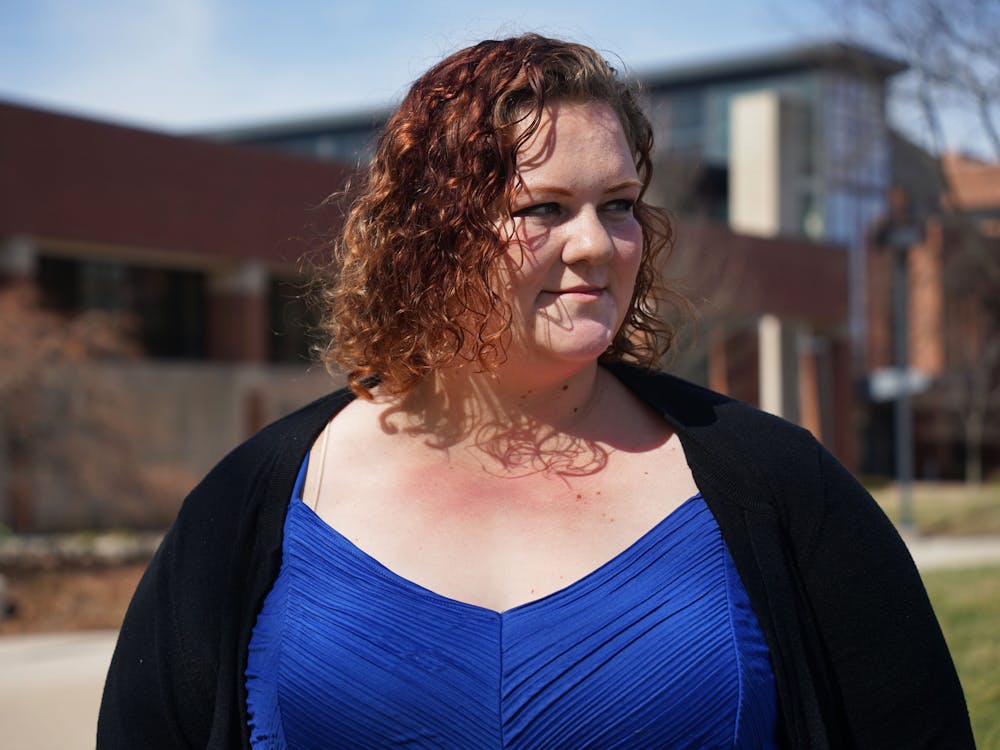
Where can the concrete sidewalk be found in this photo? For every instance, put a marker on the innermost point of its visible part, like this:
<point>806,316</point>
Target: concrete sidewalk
<point>50,685</point>
<point>944,552</point>
<point>50,688</point>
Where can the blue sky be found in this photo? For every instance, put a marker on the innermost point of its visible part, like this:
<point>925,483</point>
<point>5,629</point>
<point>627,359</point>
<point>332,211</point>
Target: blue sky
<point>180,65</point>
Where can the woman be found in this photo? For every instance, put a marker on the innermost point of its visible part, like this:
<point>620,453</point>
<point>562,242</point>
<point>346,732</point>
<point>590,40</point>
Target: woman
<point>503,535</point>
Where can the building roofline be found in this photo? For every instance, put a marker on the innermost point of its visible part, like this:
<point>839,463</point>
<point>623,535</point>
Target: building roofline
<point>361,119</point>
<point>826,54</point>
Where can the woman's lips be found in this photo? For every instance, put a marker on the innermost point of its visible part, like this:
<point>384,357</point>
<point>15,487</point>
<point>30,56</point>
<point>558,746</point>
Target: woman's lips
<point>577,292</point>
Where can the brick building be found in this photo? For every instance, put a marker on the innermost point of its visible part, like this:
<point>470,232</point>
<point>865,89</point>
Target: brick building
<point>952,208</point>
<point>787,145</point>
<point>198,243</point>
<point>784,158</point>
<point>119,218</point>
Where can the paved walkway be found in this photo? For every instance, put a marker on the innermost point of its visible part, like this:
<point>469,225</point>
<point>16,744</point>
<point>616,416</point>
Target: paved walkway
<point>50,688</point>
<point>942,552</point>
<point>50,685</point>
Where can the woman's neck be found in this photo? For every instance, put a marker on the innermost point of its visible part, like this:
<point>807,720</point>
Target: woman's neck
<point>506,426</point>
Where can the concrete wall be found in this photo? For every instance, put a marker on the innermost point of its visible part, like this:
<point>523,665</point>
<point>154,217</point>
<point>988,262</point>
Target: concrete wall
<point>765,164</point>
<point>120,445</point>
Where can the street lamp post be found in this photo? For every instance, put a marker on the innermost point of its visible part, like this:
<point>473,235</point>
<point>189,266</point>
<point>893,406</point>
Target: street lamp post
<point>898,234</point>
<point>901,240</point>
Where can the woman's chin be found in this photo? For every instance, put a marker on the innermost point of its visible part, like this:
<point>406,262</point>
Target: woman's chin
<point>583,345</point>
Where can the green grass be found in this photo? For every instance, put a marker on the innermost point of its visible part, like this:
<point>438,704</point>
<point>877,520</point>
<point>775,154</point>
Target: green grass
<point>967,603</point>
<point>947,507</point>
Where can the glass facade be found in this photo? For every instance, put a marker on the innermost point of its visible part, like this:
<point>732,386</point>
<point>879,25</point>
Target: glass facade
<point>840,142</point>
<point>856,156</point>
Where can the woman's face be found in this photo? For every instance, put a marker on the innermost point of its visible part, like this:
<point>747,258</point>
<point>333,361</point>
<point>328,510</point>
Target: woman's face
<point>571,265</point>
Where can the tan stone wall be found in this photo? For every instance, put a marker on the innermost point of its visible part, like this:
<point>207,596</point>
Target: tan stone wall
<point>126,442</point>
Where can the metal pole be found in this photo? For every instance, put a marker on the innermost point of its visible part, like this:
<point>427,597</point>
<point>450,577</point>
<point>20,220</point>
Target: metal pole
<point>903,412</point>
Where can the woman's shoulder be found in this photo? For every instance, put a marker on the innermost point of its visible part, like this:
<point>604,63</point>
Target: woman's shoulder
<point>730,444</point>
<point>258,469</point>
<point>699,413</point>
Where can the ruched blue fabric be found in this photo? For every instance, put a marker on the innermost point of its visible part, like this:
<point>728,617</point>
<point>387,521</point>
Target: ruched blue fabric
<point>657,648</point>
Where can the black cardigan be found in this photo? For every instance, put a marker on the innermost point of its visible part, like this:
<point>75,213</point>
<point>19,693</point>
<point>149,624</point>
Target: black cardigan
<point>858,656</point>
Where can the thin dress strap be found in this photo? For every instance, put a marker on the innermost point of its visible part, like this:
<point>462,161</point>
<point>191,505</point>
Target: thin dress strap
<point>314,472</point>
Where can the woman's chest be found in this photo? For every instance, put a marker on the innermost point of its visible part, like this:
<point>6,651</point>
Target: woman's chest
<point>500,541</point>
<point>655,648</point>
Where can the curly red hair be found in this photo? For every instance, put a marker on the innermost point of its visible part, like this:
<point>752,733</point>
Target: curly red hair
<point>414,274</point>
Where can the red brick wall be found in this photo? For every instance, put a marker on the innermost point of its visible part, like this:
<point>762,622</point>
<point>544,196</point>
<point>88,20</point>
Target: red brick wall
<point>74,179</point>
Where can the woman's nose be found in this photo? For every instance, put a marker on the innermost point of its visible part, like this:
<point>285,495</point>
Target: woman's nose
<point>587,240</point>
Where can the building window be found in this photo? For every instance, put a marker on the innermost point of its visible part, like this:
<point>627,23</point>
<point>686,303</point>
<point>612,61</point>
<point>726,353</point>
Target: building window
<point>167,305</point>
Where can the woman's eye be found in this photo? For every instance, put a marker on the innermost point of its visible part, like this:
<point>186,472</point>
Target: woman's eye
<point>624,205</point>
<point>538,209</point>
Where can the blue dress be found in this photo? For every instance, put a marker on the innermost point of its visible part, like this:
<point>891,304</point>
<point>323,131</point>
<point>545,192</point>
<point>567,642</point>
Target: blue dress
<point>657,648</point>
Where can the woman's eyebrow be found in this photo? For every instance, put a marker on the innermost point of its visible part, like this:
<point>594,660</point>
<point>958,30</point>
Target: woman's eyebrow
<point>623,186</point>
<point>531,190</point>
